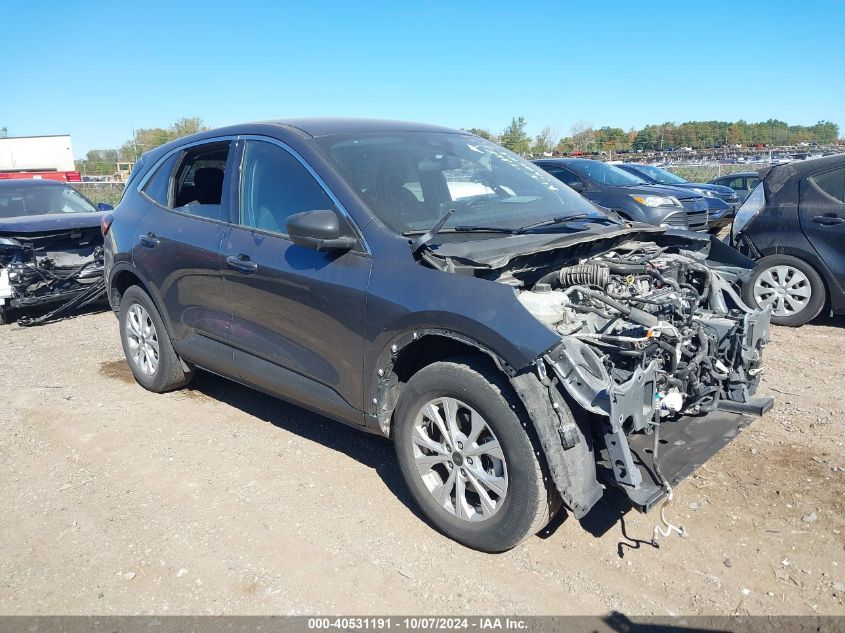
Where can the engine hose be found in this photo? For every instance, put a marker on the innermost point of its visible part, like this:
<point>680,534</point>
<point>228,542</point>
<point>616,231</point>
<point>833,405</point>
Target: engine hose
<point>666,282</point>
<point>581,274</point>
<point>580,308</point>
<point>670,527</point>
<point>636,315</point>
<point>627,269</point>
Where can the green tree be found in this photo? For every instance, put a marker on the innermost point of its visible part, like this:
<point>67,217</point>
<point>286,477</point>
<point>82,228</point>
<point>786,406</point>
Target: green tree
<point>187,126</point>
<point>4,132</point>
<point>543,142</point>
<point>479,132</point>
<point>583,136</point>
<point>514,137</point>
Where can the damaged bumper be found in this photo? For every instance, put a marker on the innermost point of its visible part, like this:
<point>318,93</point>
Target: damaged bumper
<point>639,445</point>
<point>66,269</point>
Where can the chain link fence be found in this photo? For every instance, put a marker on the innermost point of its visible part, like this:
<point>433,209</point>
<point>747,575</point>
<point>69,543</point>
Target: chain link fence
<point>706,173</point>
<point>108,192</point>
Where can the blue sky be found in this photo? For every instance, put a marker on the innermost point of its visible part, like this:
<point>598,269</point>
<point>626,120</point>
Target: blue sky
<point>98,70</point>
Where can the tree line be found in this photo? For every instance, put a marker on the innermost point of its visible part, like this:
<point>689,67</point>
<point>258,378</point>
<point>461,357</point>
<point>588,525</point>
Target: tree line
<point>694,134</point>
<point>582,138</point>
<point>103,161</point>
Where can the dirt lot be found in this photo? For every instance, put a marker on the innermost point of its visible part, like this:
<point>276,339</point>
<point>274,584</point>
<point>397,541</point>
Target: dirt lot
<point>221,500</point>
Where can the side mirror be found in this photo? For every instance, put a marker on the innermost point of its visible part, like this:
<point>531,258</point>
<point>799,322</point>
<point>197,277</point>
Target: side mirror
<point>322,229</point>
<point>578,187</point>
<point>102,206</point>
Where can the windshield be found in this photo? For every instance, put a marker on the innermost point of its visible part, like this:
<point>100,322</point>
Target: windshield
<point>410,180</point>
<point>660,175</point>
<point>605,174</point>
<point>20,200</point>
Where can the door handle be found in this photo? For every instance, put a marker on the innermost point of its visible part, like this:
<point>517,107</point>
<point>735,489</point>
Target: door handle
<point>828,220</point>
<point>242,263</point>
<point>149,239</point>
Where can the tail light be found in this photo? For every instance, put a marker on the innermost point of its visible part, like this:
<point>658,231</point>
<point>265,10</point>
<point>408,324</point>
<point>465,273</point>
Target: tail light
<point>105,223</point>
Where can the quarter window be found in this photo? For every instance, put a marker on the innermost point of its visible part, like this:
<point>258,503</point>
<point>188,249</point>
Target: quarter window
<point>832,183</point>
<point>274,186</point>
<point>158,187</point>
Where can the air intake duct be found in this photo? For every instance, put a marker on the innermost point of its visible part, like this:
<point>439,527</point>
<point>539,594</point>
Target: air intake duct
<point>579,275</point>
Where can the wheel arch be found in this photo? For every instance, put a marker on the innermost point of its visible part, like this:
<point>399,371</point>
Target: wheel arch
<point>561,431</point>
<point>409,352</point>
<point>124,276</point>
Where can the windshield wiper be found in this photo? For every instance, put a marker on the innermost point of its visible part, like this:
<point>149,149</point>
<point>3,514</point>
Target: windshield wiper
<point>564,219</point>
<point>426,237</point>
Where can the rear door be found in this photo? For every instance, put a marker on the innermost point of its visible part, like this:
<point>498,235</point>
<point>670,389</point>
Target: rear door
<point>178,249</point>
<point>297,313</point>
<point>822,211</point>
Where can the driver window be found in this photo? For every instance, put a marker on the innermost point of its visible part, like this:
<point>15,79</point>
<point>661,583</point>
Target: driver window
<point>274,186</point>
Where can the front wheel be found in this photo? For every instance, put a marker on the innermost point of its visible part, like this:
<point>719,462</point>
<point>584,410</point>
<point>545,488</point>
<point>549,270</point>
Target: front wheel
<point>467,453</point>
<point>789,286</point>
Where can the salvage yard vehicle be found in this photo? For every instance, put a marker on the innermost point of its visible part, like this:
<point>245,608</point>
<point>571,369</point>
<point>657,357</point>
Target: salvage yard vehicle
<point>521,347</point>
<point>793,224</point>
<point>721,201</point>
<point>630,196</point>
<point>50,245</point>
<point>742,182</point>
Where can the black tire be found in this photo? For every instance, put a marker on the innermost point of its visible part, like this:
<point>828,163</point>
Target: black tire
<point>7,316</point>
<point>529,501</point>
<point>818,294</point>
<point>170,373</point>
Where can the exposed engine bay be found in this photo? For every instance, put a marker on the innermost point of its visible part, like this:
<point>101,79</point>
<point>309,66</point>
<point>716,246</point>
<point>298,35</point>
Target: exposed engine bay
<point>652,333</point>
<point>49,267</point>
<point>640,309</point>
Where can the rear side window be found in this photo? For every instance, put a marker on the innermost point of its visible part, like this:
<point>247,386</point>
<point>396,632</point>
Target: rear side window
<point>274,186</point>
<point>832,183</point>
<point>158,187</point>
<point>735,183</point>
<point>564,175</point>
<point>198,181</point>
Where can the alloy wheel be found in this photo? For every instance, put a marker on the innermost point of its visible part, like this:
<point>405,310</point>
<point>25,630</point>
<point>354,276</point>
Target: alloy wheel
<point>459,459</point>
<point>143,340</point>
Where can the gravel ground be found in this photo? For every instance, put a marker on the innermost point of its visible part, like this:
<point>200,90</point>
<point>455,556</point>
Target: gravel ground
<point>220,500</point>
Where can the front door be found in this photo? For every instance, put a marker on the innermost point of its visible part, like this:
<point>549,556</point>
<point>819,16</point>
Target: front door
<point>297,313</point>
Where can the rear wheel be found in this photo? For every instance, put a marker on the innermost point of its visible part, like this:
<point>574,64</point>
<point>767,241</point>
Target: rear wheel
<point>789,286</point>
<point>466,450</point>
<point>147,346</point>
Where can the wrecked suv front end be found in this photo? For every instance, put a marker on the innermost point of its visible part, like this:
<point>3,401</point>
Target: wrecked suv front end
<point>660,354</point>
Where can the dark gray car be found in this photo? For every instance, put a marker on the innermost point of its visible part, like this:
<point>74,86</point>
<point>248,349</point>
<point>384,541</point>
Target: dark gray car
<point>628,195</point>
<point>520,347</point>
<point>742,182</point>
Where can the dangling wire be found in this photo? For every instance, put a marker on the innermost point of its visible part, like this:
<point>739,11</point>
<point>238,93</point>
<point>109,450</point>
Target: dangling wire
<point>670,527</point>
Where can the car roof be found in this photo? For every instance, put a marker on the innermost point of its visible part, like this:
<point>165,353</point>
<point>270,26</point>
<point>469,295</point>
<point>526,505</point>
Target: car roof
<point>329,126</point>
<point>566,161</point>
<point>738,174</point>
<point>302,127</point>
<point>32,182</point>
